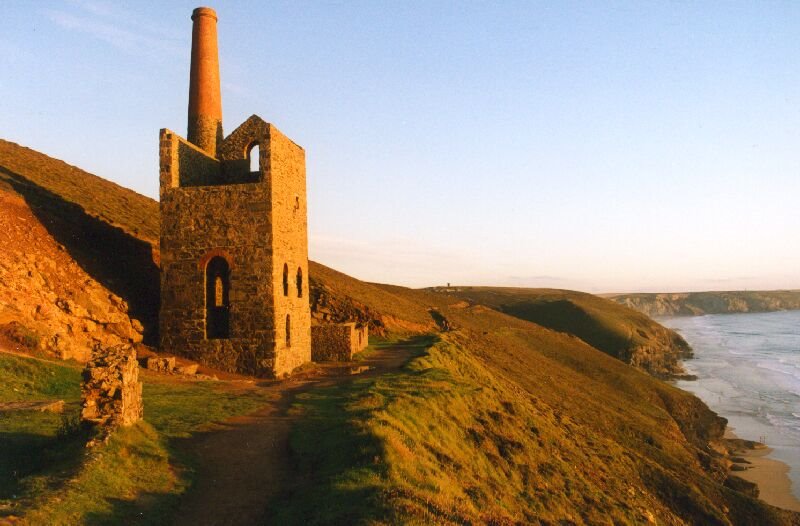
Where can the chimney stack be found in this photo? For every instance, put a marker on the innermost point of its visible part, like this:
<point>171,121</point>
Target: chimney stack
<point>205,101</point>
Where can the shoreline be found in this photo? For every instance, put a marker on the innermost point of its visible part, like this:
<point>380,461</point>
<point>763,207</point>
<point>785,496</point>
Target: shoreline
<point>770,475</point>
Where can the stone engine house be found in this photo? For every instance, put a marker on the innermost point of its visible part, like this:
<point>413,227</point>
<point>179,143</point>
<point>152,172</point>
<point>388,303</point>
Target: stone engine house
<point>234,242</point>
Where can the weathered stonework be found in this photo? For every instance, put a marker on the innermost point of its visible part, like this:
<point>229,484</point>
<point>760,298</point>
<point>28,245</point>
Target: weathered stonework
<point>361,337</point>
<point>234,248</point>
<point>337,342</point>
<point>111,391</point>
<point>257,223</point>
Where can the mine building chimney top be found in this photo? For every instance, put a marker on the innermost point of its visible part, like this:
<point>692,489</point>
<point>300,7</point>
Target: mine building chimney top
<point>205,100</point>
<point>204,11</point>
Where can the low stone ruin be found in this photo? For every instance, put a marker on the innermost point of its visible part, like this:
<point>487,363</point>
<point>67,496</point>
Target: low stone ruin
<point>159,364</point>
<point>111,391</point>
<point>338,342</point>
<point>171,365</point>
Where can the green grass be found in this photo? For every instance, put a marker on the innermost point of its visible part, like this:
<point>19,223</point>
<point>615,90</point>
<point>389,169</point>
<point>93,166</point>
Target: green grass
<point>29,379</point>
<point>442,441</point>
<point>98,197</point>
<point>32,455</point>
<point>50,477</point>
<point>608,326</point>
<point>130,478</point>
<point>177,409</point>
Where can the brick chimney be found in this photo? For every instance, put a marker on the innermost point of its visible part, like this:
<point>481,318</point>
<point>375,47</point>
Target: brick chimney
<point>205,101</point>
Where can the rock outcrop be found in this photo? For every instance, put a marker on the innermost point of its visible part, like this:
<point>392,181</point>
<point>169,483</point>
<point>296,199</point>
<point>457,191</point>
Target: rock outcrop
<point>47,301</point>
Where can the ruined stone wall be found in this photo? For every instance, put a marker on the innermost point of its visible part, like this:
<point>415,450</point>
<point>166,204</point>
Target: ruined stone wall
<point>197,224</point>
<point>361,337</point>
<point>111,391</point>
<point>334,342</point>
<point>338,342</point>
<point>257,228</point>
<point>290,248</point>
<point>197,168</point>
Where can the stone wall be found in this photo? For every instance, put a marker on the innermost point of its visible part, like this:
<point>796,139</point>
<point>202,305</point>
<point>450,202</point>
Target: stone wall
<point>199,169</point>
<point>361,337</point>
<point>111,391</point>
<point>257,228</point>
<point>337,342</point>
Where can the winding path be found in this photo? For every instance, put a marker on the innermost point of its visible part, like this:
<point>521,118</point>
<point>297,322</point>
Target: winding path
<point>244,462</point>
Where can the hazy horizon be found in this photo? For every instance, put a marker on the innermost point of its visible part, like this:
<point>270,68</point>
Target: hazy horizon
<point>616,148</point>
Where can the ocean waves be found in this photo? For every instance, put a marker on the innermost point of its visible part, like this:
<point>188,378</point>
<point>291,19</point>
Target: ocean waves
<point>748,370</point>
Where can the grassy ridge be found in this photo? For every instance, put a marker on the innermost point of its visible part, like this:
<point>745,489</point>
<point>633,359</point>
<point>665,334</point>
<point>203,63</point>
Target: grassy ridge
<point>612,328</point>
<point>518,425</point>
<point>99,198</point>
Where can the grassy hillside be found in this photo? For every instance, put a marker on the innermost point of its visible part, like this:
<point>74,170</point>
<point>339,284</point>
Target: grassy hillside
<point>38,176</point>
<point>112,233</point>
<point>715,302</point>
<point>503,422</point>
<point>610,327</point>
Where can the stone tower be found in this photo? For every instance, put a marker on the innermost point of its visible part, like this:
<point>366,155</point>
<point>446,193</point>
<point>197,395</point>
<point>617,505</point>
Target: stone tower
<point>234,243</point>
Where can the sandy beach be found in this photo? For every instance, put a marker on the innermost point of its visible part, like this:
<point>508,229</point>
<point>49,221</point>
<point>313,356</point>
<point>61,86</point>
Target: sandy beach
<point>771,476</point>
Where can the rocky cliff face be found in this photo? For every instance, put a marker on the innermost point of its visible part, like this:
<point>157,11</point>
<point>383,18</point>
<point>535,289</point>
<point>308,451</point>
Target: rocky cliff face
<point>660,354</point>
<point>47,301</point>
<point>699,303</point>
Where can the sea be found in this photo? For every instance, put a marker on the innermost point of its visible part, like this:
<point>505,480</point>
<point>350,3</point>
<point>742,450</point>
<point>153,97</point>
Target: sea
<point>748,371</point>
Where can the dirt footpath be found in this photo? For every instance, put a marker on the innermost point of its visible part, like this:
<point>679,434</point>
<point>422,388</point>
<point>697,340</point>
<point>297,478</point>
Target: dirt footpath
<point>245,462</point>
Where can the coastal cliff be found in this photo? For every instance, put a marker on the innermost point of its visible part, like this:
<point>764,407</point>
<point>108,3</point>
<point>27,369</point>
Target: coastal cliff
<point>615,329</point>
<point>713,302</point>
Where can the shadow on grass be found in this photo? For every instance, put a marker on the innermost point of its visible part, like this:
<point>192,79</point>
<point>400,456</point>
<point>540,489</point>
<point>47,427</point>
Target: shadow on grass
<point>338,464</point>
<point>151,508</point>
<point>334,461</point>
<point>32,461</point>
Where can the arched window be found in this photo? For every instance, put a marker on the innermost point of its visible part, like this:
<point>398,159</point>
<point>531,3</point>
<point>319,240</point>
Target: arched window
<point>218,284</point>
<point>285,279</point>
<point>288,331</point>
<point>253,156</point>
<point>299,282</point>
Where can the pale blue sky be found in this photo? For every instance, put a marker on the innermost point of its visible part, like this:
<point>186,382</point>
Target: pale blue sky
<point>594,146</point>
